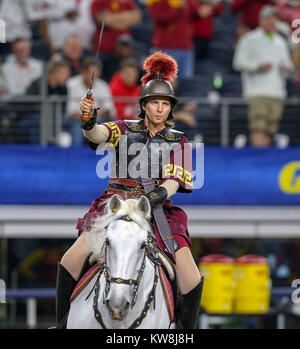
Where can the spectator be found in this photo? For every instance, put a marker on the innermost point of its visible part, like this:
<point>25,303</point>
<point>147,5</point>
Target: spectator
<point>60,17</point>
<point>121,16</point>
<point>58,72</point>
<point>18,17</point>
<point>84,24</point>
<point>124,49</point>
<point>74,53</point>
<point>288,11</point>
<point>173,31</point>
<point>203,27</point>
<point>249,14</point>
<point>68,17</point>
<point>263,58</point>
<point>77,87</point>
<point>124,84</point>
<point>20,69</point>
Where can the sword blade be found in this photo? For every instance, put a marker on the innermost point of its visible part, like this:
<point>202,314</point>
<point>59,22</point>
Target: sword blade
<point>98,49</point>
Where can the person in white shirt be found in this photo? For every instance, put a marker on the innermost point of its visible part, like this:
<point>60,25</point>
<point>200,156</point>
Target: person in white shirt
<point>20,69</point>
<point>77,86</point>
<point>70,17</point>
<point>263,57</point>
<point>18,16</point>
<point>84,24</point>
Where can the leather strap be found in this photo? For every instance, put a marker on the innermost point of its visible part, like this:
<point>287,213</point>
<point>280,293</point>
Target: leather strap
<point>124,181</point>
<point>131,182</point>
<point>124,194</point>
<point>161,220</point>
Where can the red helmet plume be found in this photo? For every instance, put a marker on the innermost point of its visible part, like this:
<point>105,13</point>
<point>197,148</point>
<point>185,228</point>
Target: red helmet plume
<point>161,66</point>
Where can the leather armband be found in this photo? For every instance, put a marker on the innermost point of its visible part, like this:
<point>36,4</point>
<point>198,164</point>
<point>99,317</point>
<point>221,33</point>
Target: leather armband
<point>91,123</point>
<point>157,196</point>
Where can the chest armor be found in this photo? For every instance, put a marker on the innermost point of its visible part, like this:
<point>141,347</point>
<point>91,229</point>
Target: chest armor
<point>140,156</point>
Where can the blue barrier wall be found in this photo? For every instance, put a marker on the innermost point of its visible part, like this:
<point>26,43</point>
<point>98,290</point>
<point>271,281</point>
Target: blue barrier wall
<point>58,176</point>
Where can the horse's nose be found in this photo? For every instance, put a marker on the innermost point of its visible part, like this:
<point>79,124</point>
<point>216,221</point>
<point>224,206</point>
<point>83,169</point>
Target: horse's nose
<point>117,311</point>
<point>117,314</point>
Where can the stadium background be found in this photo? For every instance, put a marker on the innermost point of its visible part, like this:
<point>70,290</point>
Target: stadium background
<point>249,202</point>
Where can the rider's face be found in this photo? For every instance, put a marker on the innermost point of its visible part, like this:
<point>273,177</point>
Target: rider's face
<point>157,110</point>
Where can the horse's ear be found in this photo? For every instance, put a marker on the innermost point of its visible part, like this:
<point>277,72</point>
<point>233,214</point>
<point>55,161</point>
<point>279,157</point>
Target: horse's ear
<point>144,206</point>
<point>114,203</point>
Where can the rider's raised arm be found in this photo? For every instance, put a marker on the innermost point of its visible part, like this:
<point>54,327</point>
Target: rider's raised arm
<point>98,134</point>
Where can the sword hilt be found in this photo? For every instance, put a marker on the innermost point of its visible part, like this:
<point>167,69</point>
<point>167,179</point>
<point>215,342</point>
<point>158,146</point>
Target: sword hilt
<point>85,117</point>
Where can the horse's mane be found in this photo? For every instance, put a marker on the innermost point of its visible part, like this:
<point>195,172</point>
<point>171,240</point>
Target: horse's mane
<point>96,237</point>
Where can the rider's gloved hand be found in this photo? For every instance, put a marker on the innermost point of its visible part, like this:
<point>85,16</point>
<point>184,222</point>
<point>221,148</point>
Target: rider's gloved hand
<point>157,196</point>
<point>91,123</point>
<point>87,107</point>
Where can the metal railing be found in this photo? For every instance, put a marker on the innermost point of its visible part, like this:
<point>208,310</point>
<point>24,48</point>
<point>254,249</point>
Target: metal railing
<point>40,119</point>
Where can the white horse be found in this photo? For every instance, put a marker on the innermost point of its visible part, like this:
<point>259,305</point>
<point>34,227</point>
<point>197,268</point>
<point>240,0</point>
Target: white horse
<point>127,291</point>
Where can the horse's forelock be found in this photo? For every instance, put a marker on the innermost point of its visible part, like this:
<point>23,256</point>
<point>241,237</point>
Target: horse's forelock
<point>130,207</point>
<point>96,237</point>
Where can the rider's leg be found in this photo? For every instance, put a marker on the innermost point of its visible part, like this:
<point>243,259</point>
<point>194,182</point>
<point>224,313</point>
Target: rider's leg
<point>188,275</point>
<point>75,257</point>
<point>69,270</point>
<point>190,286</point>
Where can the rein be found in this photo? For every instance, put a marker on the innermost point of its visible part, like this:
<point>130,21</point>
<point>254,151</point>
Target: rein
<point>135,282</point>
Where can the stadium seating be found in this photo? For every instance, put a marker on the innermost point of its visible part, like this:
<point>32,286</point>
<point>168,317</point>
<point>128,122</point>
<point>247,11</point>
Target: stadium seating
<point>293,88</point>
<point>143,32</point>
<point>208,119</point>
<point>208,67</point>
<point>232,86</point>
<point>198,86</point>
<point>221,53</point>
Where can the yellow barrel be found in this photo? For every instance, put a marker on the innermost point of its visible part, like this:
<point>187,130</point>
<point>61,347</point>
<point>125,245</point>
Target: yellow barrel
<point>252,277</point>
<point>218,288</point>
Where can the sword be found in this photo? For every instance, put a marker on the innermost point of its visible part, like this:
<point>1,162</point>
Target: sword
<point>85,117</point>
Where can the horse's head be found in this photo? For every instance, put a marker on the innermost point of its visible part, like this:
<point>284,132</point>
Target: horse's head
<point>126,240</point>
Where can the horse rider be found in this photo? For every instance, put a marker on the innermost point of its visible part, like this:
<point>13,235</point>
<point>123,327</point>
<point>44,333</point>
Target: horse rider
<point>153,127</point>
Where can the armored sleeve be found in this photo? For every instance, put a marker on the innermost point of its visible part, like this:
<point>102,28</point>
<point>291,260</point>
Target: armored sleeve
<point>107,132</point>
<point>180,166</point>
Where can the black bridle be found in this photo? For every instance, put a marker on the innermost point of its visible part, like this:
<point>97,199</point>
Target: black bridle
<point>118,280</point>
<point>149,249</point>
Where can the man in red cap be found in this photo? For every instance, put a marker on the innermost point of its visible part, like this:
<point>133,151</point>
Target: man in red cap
<point>174,175</point>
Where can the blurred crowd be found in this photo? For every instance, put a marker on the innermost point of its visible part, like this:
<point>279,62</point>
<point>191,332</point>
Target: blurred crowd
<point>50,49</point>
